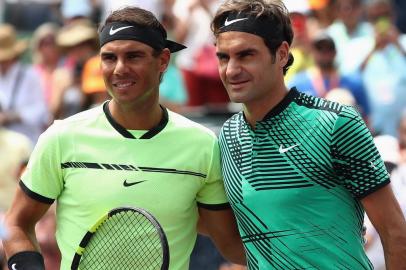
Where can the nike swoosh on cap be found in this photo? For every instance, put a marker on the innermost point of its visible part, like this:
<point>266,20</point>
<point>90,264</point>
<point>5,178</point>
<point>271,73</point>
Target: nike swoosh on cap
<point>129,184</point>
<point>113,31</point>
<point>227,22</point>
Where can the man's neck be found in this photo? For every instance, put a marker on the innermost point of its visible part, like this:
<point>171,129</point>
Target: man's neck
<point>256,111</point>
<point>143,117</point>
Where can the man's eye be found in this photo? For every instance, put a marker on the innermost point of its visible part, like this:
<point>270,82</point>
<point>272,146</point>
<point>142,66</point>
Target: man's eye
<point>247,54</point>
<point>108,57</point>
<point>221,57</point>
<point>134,56</point>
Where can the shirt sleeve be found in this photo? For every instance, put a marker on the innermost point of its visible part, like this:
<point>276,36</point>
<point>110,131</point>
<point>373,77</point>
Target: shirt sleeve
<point>42,180</point>
<point>212,195</point>
<point>356,159</point>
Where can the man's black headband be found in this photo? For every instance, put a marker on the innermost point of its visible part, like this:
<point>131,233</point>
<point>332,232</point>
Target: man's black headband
<point>265,27</point>
<point>127,31</point>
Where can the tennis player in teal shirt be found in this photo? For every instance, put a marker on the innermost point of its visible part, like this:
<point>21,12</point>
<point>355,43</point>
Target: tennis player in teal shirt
<point>299,171</point>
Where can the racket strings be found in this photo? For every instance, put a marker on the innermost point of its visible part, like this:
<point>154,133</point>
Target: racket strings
<point>127,240</point>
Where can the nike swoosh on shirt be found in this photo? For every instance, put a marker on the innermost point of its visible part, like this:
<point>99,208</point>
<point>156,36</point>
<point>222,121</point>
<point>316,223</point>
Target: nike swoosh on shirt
<point>227,22</point>
<point>284,150</point>
<point>113,31</point>
<point>129,184</point>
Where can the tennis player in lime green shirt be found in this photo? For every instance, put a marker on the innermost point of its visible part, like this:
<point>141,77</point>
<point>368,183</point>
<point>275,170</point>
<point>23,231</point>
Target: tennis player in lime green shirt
<point>130,151</point>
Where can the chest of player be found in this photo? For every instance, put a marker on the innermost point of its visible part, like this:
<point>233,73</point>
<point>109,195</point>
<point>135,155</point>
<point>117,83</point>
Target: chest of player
<point>279,155</point>
<point>273,151</point>
<point>104,185</point>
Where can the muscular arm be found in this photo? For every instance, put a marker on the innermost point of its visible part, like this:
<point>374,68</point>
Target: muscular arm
<point>221,226</point>
<point>385,214</point>
<point>20,221</point>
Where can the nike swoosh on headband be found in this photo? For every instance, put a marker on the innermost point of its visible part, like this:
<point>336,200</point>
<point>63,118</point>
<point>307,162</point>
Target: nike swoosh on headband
<point>113,31</point>
<point>227,22</point>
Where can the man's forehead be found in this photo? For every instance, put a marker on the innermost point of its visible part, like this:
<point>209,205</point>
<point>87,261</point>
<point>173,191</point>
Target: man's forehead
<point>125,45</point>
<point>238,40</point>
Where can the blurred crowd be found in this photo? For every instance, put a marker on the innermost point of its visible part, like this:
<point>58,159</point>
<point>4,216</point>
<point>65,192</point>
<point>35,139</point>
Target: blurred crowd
<point>350,51</point>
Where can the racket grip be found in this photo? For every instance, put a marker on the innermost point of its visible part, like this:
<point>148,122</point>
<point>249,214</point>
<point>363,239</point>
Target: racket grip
<point>26,260</point>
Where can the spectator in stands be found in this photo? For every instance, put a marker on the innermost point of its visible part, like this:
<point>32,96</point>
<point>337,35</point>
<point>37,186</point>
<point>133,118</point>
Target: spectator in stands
<point>22,108</point>
<point>349,25</point>
<point>78,40</point>
<point>382,59</point>
<point>15,149</point>
<point>92,83</point>
<point>301,44</point>
<point>322,15</point>
<point>46,56</point>
<point>72,10</point>
<point>198,63</point>
<point>324,76</point>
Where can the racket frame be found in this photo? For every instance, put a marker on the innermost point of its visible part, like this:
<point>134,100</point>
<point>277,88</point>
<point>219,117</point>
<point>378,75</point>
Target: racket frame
<point>89,234</point>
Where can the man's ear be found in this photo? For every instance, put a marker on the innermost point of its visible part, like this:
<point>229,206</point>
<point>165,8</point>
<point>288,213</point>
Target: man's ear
<point>165,57</point>
<point>283,53</point>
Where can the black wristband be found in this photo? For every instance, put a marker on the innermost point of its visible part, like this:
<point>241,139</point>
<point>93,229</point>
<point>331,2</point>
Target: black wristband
<point>26,260</point>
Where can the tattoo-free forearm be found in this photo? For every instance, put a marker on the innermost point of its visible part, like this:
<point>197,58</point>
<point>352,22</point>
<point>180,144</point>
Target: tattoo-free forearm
<point>394,245</point>
<point>19,239</point>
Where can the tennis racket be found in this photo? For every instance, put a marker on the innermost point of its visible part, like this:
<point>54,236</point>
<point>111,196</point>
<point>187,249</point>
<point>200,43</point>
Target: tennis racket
<point>125,238</point>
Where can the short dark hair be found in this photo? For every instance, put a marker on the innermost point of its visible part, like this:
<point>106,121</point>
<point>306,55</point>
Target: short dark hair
<point>275,10</point>
<point>138,16</point>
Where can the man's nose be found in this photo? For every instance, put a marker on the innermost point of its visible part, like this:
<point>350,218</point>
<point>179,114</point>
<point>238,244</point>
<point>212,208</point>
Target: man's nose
<point>233,68</point>
<point>120,68</point>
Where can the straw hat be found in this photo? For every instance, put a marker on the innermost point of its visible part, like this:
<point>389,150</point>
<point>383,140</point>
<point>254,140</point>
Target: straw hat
<point>44,31</point>
<point>10,47</point>
<point>76,32</point>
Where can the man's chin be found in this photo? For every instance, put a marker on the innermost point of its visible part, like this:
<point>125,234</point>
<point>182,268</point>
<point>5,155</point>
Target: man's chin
<point>237,95</point>
<point>238,98</point>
